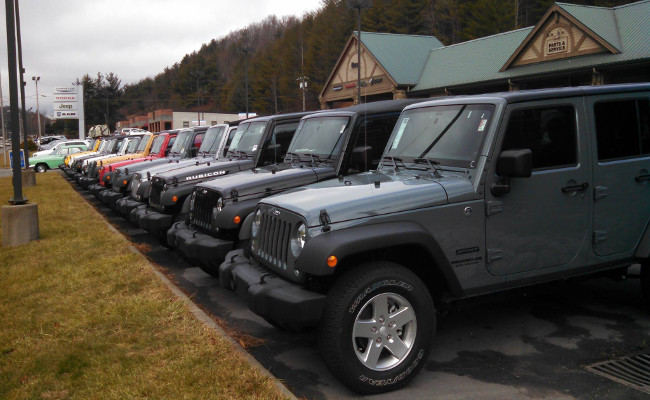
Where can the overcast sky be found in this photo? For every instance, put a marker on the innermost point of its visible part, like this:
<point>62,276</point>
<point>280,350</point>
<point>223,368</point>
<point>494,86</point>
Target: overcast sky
<point>64,39</point>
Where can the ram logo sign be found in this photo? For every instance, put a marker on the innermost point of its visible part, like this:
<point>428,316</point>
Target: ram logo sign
<point>206,175</point>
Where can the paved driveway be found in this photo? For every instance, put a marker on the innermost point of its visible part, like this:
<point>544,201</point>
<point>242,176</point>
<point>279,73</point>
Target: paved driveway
<point>520,345</point>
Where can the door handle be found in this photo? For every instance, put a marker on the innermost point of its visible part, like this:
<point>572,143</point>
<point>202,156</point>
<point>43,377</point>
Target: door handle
<point>642,177</point>
<point>575,188</point>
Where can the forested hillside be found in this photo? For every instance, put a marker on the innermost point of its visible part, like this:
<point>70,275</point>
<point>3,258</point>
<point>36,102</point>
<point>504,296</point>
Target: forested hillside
<point>278,51</point>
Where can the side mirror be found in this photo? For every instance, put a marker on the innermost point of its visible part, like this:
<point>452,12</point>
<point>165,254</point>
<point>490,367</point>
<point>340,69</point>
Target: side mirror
<point>512,164</point>
<point>194,151</point>
<point>167,151</point>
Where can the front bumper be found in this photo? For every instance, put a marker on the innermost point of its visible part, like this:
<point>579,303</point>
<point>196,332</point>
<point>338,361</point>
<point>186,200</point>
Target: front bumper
<point>125,205</point>
<point>86,182</point>
<point>270,296</point>
<point>154,222</point>
<point>96,190</point>
<point>197,247</point>
<point>111,198</point>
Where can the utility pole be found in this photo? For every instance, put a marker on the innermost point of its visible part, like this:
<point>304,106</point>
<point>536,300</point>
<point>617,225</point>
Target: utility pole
<point>21,69</point>
<point>245,51</point>
<point>359,5</point>
<point>38,110</point>
<point>13,103</point>
<point>2,117</point>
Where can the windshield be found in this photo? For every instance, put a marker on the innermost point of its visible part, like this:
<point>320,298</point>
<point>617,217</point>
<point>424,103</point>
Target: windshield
<point>182,142</point>
<point>212,139</point>
<point>320,136</point>
<point>157,144</point>
<point>248,137</point>
<point>143,144</point>
<point>133,144</point>
<point>448,135</point>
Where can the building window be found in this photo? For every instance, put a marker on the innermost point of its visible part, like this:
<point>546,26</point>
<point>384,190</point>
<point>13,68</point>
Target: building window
<point>213,122</point>
<point>186,124</point>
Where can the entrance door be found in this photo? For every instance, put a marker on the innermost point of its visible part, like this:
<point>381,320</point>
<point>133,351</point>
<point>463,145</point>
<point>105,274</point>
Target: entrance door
<point>543,221</point>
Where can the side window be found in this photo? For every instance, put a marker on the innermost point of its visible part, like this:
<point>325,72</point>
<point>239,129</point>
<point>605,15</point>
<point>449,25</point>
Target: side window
<point>549,132</point>
<point>622,128</point>
<point>279,142</point>
<point>371,137</point>
<point>198,139</point>
<point>171,142</point>
<point>73,150</point>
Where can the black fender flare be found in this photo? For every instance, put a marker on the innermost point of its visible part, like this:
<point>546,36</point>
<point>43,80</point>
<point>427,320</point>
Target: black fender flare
<point>144,188</point>
<point>245,230</point>
<point>345,243</point>
<point>643,249</point>
<point>242,208</point>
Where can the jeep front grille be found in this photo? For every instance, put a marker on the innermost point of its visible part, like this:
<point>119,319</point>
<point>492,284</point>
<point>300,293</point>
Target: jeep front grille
<point>157,186</point>
<point>204,202</point>
<point>274,235</point>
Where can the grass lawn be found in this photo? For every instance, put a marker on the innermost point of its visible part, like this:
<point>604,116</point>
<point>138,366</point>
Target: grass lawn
<point>81,317</point>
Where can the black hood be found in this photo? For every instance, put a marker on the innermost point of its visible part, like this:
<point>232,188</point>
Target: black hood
<point>265,181</point>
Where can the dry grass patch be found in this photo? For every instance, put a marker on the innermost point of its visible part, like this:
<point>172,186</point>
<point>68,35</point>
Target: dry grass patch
<point>84,318</point>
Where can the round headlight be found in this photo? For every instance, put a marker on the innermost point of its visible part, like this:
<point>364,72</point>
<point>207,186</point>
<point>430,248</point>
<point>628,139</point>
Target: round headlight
<point>219,206</point>
<point>298,238</point>
<point>256,223</point>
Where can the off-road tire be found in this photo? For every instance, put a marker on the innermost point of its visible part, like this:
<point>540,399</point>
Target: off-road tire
<point>351,302</point>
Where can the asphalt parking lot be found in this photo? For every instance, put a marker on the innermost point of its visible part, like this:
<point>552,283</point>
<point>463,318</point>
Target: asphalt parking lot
<point>520,345</point>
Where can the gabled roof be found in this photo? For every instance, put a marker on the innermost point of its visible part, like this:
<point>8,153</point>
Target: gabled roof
<point>624,31</point>
<point>402,56</point>
<point>474,61</point>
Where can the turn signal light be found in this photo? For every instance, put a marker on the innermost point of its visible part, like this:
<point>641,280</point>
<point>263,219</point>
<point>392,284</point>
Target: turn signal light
<point>237,219</point>
<point>332,261</point>
<point>108,177</point>
<point>174,199</point>
<point>124,182</point>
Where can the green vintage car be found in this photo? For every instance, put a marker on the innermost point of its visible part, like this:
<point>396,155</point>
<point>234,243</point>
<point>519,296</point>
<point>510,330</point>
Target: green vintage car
<point>43,163</point>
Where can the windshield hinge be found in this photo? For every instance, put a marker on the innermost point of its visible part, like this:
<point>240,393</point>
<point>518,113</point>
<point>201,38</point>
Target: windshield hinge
<point>235,195</point>
<point>325,220</point>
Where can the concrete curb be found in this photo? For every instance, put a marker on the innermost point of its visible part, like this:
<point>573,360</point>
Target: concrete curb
<point>199,314</point>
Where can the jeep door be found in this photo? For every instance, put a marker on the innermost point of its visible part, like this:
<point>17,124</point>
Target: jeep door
<point>621,171</point>
<point>544,220</point>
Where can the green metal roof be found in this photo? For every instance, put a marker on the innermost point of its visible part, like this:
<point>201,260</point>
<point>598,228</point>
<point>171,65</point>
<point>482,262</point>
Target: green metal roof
<point>402,56</point>
<point>627,28</point>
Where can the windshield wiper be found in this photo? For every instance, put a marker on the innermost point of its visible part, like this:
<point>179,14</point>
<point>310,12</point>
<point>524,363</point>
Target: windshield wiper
<point>394,160</point>
<point>291,155</point>
<point>241,154</point>
<point>432,165</point>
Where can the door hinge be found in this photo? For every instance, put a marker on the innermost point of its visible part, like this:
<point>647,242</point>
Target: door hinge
<point>493,207</point>
<point>600,236</point>
<point>600,192</point>
<point>494,255</point>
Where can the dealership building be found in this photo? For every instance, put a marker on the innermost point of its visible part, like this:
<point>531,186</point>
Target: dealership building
<point>167,119</point>
<point>571,45</point>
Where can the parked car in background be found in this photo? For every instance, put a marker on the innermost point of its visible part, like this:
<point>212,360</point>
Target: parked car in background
<point>47,139</point>
<point>58,144</point>
<point>48,161</point>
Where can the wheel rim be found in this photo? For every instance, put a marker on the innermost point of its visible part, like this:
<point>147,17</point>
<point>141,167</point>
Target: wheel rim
<point>40,168</point>
<point>384,331</point>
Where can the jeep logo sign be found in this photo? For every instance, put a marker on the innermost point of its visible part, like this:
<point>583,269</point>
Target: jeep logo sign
<point>206,175</point>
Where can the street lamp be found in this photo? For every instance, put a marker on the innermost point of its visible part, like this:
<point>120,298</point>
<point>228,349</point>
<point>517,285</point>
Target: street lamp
<point>38,111</point>
<point>358,5</point>
<point>245,50</point>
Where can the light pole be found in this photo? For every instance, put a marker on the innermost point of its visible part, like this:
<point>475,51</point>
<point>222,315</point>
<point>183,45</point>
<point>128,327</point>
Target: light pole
<point>359,5</point>
<point>245,51</point>
<point>303,87</point>
<point>38,110</point>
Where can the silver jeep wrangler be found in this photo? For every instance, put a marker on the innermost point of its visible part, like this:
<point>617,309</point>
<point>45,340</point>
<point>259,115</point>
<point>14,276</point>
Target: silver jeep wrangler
<point>474,195</point>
